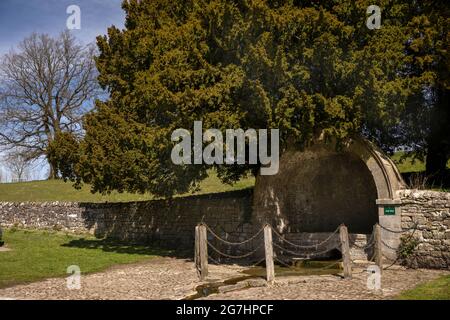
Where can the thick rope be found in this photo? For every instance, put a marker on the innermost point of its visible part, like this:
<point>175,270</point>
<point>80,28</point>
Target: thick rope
<point>282,262</point>
<point>307,255</point>
<point>258,263</point>
<point>232,256</point>
<point>213,260</point>
<point>369,243</point>
<point>400,231</point>
<point>217,262</point>
<point>364,270</point>
<point>304,247</point>
<point>328,266</point>
<point>233,243</point>
<point>397,258</point>
<point>315,269</point>
<point>388,246</point>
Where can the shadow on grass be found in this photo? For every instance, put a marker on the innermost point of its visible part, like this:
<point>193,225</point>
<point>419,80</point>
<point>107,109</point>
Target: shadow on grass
<point>112,245</point>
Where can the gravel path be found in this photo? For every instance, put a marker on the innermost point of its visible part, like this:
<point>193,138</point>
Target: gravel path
<point>170,278</point>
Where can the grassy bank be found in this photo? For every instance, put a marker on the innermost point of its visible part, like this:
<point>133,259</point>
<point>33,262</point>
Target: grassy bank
<point>37,255</point>
<point>57,190</point>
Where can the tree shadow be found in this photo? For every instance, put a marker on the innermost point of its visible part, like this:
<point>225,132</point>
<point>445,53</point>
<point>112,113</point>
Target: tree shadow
<point>117,246</point>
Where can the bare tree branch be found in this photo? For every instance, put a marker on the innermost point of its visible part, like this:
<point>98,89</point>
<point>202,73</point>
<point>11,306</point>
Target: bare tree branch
<point>45,88</point>
<point>18,163</point>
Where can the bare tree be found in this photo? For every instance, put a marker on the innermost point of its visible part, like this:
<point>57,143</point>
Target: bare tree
<point>18,165</point>
<point>45,88</point>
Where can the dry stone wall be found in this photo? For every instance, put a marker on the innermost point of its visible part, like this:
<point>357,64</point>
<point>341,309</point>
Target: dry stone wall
<point>431,211</point>
<point>171,223</point>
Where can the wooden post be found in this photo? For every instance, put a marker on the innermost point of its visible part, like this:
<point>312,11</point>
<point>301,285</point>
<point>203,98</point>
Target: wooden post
<point>201,251</point>
<point>378,248</point>
<point>197,250</point>
<point>345,250</point>
<point>270,268</point>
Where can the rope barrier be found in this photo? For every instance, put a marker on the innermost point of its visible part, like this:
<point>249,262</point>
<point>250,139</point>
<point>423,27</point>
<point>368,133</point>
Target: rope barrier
<point>400,231</point>
<point>387,258</point>
<point>282,262</point>
<point>397,258</point>
<point>308,255</point>
<point>315,269</point>
<point>217,262</point>
<point>233,243</point>
<point>328,266</point>
<point>388,246</point>
<point>394,261</point>
<point>372,259</point>
<point>258,263</point>
<point>367,246</point>
<point>232,256</point>
<point>213,260</point>
<point>300,246</point>
<point>369,243</point>
<point>305,255</point>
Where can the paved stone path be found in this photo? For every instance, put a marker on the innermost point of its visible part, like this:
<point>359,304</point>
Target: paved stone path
<point>330,287</point>
<point>170,278</point>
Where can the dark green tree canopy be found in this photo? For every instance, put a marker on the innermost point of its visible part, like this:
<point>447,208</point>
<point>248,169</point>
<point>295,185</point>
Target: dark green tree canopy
<point>305,68</point>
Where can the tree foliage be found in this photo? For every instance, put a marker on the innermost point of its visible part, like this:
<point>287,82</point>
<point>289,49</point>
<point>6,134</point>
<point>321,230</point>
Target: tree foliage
<point>308,69</point>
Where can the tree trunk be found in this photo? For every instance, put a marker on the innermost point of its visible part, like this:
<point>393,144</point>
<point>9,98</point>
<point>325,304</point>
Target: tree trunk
<point>436,158</point>
<point>53,172</point>
<point>438,149</point>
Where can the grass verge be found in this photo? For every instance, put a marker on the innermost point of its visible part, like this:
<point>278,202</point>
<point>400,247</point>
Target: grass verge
<point>438,289</point>
<point>36,255</point>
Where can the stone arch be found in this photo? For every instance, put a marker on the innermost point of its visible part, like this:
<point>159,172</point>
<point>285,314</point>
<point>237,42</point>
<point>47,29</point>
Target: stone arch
<point>319,188</point>
<point>387,178</point>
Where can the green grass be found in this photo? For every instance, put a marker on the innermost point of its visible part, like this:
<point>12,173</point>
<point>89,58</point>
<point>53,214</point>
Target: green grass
<point>438,289</point>
<point>57,190</point>
<point>413,172</point>
<point>409,164</point>
<point>37,255</point>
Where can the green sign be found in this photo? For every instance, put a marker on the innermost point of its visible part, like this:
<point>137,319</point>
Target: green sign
<point>389,211</point>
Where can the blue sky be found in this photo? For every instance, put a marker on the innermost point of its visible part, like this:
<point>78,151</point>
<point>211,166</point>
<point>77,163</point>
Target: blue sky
<point>20,18</point>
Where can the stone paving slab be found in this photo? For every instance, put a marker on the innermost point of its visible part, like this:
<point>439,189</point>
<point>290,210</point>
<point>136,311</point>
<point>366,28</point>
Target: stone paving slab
<point>158,278</point>
<point>171,278</point>
<point>329,287</point>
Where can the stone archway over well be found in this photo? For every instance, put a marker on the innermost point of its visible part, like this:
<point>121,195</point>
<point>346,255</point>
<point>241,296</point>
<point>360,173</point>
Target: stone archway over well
<point>318,188</point>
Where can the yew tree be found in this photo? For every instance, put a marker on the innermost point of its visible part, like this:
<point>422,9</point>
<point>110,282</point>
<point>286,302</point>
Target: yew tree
<point>305,68</point>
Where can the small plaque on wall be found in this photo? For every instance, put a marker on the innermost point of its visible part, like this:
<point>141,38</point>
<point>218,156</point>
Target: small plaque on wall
<point>389,211</point>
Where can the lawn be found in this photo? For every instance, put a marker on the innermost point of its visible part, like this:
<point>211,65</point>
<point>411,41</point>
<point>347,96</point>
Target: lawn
<point>37,255</point>
<point>438,289</point>
<point>58,190</point>
<point>409,164</point>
